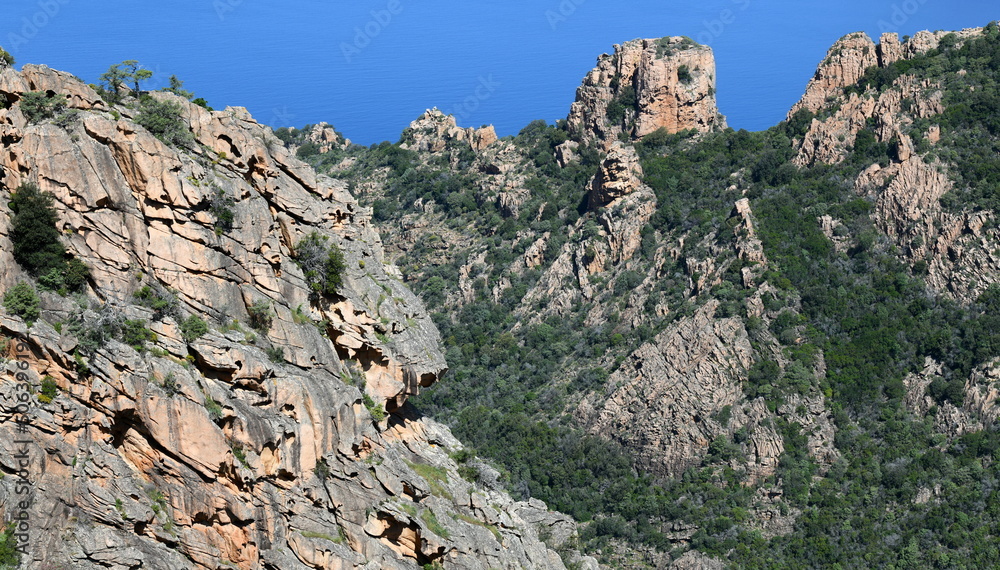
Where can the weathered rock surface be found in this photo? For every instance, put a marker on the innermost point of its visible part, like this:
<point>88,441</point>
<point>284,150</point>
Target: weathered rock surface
<point>620,174</point>
<point>647,84</point>
<point>209,453</point>
<point>664,397</point>
<point>979,409</point>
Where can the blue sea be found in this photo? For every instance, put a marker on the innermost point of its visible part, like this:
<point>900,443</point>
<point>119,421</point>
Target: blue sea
<point>370,67</point>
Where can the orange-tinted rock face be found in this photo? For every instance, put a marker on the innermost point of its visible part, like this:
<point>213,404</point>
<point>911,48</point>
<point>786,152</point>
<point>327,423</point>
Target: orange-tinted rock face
<point>644,86</point>
<point>241,448</point>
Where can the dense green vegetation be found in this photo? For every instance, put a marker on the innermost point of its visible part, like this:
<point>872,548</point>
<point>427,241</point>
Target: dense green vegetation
<point>10,557</point>
<point>899,494</point>
<point>35,238</point>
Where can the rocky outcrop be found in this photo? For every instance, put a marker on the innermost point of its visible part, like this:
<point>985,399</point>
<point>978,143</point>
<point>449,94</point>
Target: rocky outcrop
<point>978,410</point>
<point>644,86</point>
<point>957,249</point>
<point>619,175</point>
<point>326,138</point>
<point>290,446</point>
<point>433,131</point>
<point>665,398</point>
<point>844,65</point>
<point>851,56</point>
<point>832,135</point>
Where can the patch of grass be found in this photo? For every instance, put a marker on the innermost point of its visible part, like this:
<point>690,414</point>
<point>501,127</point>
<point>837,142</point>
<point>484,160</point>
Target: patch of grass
<point>120,507</point>
<point>433,525</point>
<point>299,316</point>
<point>436,477</point>
<point>213,407</point>
<point>477,522</point>
<point>334,539</point>
<point>239,453</point>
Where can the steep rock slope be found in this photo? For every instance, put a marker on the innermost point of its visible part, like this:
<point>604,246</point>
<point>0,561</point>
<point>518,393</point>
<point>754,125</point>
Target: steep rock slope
<point>856,110</point>
<point>252,449</point>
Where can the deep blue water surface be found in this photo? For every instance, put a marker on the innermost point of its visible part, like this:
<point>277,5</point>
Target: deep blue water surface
<point>370,67</point>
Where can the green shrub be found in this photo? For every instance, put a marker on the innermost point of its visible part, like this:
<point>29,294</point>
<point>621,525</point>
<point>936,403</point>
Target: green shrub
<point>37,106</point>
<point>170,385</point>
<point>378,412</point>
<point>48,391</point>
<point>222,209</point>
<point>193,328</point>
<point>624,101</point>
<point>10,556</point>
<point>684,74</point>
<point>23,301</point>
<point>135,334</point>
<point>9,60</point>
<point>322,263</point>
<point>158,298</point>
<point>33,230</point>
<point>260,316</point>
<point>164,120</point>
<point>276,354</point>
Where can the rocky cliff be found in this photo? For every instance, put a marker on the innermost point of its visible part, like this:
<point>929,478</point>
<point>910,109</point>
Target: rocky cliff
<point>279,438</point>
<point>955,246</point>
<point>646,85</point>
